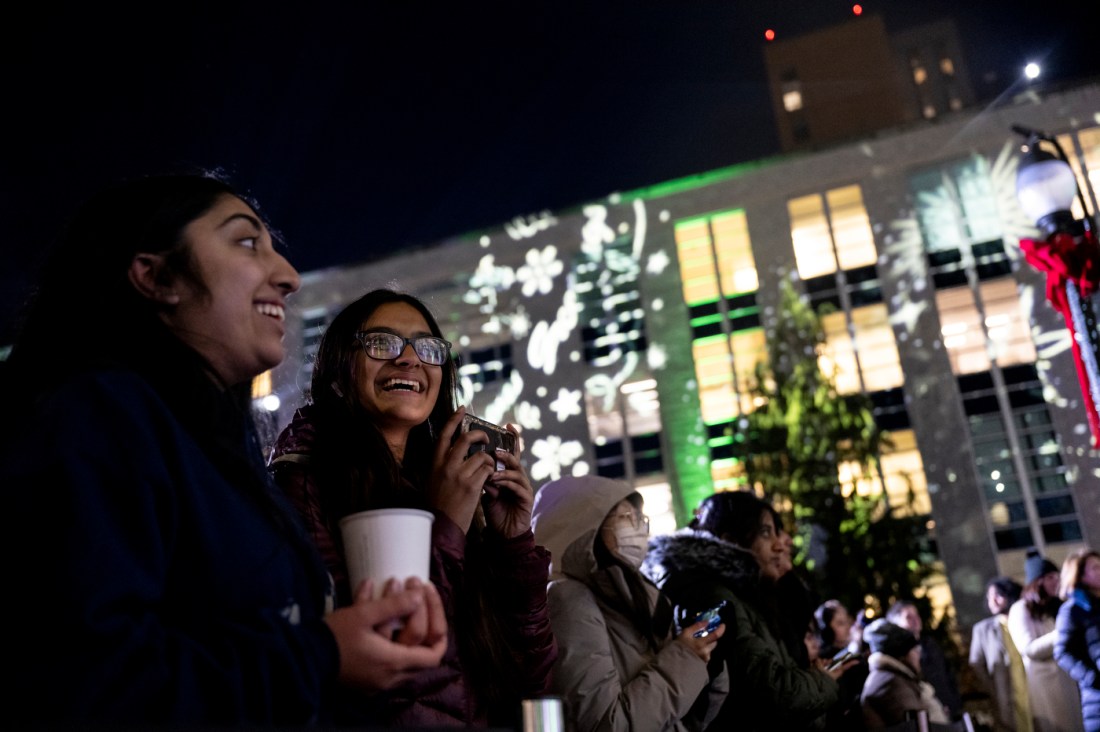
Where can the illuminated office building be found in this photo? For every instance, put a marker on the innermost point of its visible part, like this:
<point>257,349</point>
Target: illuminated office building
<point>620,334</point>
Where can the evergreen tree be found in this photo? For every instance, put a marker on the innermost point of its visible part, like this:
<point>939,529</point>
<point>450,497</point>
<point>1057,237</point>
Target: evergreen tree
<point>793,446</point>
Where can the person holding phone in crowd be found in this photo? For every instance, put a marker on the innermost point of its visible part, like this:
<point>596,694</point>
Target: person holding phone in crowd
<point>380,432</point>
<point>735,550</point>
<point>625,662</point>
<point>168,582</point>
<point>1054,700</point>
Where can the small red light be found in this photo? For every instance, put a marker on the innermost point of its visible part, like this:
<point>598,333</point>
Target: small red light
<point>857,9</point>
<point>769,35</point>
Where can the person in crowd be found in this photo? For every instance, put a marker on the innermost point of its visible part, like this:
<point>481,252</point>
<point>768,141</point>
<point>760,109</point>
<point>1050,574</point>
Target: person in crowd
<point>996,660</point>
<point>382,430</point>
<point>1077,628</point>
<point>934,666</point>
<point>623,663</point>
<point>894,688</point>
<point>794,602</point>
<point>1054,699</point>
<point>834,626</point>
<point>839,635</point>
<point>735,552</point>
<point>169,583</point>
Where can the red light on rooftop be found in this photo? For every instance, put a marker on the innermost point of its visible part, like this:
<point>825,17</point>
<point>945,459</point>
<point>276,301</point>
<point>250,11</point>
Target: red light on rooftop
<point>857,10</point>
<point>769,35</point>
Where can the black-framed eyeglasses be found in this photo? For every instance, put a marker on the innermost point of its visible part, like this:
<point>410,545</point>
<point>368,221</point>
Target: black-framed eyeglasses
<point>384,346</point>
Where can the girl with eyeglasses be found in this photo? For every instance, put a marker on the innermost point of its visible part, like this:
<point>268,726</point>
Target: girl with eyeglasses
<point>625,662</point>
<point>378,434</point>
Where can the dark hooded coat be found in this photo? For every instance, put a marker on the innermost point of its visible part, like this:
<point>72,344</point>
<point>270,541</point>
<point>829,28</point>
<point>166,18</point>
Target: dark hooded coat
<point>768,689</point>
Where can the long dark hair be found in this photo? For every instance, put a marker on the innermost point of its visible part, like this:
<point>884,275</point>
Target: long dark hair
<point>353,462</point>
<point>823,616</point>
<point>735,516</point>
<point>356,470</point>
<point>92,260</point>
<point>90,264</point>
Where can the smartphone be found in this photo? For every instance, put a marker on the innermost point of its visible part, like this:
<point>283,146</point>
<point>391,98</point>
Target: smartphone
<point>498,437</point>
<point>840,659</point>
<point>713,618</point>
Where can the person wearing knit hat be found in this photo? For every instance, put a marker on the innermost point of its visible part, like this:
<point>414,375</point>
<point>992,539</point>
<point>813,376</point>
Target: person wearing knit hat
<point>1036,566</point>
<point>1055,701</point>
<point>894,687</point>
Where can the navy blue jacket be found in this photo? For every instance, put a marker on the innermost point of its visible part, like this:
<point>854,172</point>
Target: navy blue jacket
<point>1077,650</point>
<point>142,586</point>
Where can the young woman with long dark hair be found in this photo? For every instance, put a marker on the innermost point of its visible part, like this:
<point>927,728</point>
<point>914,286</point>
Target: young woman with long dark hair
<point>380,432</point>
<point>163,578</point>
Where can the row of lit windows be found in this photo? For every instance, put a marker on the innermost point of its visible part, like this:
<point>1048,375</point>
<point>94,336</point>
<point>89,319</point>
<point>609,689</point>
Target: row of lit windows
<point>981,317</point>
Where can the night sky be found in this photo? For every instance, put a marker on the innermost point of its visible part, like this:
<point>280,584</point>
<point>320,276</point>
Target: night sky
<point>363,130</point>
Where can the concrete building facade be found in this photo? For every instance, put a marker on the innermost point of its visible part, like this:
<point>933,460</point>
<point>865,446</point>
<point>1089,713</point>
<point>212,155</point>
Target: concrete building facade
<point>621,334</point>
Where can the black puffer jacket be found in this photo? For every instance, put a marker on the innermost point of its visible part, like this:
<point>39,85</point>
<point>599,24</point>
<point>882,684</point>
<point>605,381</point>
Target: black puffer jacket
<point>768,690</point>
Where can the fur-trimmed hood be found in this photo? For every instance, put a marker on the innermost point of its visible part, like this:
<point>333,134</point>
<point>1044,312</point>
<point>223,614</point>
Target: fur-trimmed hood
<point>692,552</point>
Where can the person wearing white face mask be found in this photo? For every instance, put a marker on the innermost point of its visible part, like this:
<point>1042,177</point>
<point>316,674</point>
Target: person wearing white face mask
<point>622,663</point>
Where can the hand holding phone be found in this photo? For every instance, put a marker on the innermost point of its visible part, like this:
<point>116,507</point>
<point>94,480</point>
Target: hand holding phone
<point>498,437</point>
<point>712,616</point>
<point>840,659</point>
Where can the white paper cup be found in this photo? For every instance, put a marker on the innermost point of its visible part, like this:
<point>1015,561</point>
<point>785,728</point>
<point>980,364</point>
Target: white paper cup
<point>385,543</point>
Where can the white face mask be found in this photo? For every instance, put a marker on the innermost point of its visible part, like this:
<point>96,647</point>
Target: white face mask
<point>631,544</point>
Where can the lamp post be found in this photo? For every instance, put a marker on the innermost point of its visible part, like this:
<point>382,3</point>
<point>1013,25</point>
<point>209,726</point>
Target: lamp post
<point>1068,254</point>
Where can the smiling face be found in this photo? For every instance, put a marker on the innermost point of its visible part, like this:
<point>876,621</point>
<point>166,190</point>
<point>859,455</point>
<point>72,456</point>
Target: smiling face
<point>235,318</point>
<point>399,393</point>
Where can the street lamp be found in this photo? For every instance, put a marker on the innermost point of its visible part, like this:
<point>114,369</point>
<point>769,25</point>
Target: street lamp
<point>1068,255</point>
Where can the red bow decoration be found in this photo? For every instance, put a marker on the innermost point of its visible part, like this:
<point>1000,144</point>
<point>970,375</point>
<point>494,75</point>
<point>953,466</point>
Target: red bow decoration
<point>1066,258</point>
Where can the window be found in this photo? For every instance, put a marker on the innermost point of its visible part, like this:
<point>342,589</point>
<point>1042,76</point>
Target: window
<point>792,100</point>
<point>971,340</point>
<point>719,286</point>
<point>487,365</point>
<point>825,239</point>
<point>611,314</point>
<point>902,470</point>
<point>1020,465</point>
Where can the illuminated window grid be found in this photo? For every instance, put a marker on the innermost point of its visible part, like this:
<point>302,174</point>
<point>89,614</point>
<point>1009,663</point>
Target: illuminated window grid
<point>717,399</point>
<point>1005,324</point>
<point>855,242</point>
<point>876,348</point>
<point>813,248</point>
<point>724,237</point>
<point>728,475</point>
<point>734,251</point>
<point>851,230</point>
<point>903,471</point>
<point>693,247</point>
<point>961,330</point>
<point>838,356</point>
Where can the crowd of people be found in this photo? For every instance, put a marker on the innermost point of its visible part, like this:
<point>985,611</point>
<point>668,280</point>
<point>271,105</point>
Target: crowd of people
<point>180,578</point>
